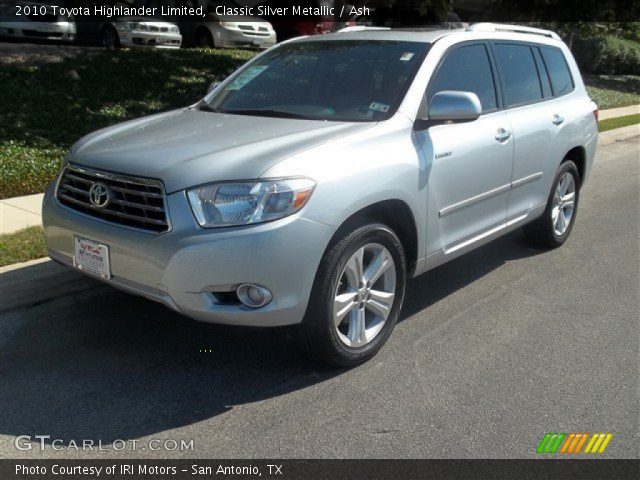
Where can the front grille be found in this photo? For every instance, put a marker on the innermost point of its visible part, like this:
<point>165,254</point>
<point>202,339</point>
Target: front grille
<point>134,202</point>
<point>251,30</point>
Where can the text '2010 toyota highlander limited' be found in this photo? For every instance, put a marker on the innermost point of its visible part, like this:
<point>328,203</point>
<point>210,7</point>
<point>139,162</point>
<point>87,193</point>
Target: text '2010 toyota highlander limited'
<point>310,184</point>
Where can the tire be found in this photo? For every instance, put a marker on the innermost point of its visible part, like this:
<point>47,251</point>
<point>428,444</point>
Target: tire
<point>204,39</point>
<point>547,231</point>
<point>348,345</point>
<point>109,38</point>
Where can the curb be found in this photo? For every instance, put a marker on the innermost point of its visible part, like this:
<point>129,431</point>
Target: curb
<point>618,135</point>
<point>23,285</point>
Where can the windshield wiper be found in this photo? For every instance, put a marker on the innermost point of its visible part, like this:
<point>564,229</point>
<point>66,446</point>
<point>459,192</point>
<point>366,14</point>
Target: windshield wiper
<point>205,107</point>
<point>266,112</point>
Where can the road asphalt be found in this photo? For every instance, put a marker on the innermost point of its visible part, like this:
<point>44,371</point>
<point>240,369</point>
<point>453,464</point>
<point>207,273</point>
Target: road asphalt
<point>494,350</point>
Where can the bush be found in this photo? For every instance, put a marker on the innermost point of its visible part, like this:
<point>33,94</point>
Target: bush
<point>607,55</point>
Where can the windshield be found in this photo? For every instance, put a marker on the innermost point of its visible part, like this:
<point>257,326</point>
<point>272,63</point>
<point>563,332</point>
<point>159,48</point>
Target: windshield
<point>355,81</point>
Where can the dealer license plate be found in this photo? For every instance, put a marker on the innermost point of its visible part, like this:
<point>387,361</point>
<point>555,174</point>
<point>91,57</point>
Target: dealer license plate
<point>91,257</point>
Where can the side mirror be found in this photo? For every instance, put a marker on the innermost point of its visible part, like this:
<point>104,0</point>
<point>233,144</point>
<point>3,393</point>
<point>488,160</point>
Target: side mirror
<point>212,87</point>
<point>451,106</point>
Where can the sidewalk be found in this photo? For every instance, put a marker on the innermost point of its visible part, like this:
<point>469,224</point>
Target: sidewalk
<point>618,112</point>
<point>22,212</point>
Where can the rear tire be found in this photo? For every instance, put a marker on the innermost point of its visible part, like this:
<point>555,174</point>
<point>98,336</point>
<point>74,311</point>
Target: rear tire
<point>553,228</point>
<point>352,310</point>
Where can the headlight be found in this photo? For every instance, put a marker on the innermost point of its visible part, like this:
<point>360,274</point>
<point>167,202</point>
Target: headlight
<point>174,29</point>
<point>244,203</point>
<point>140,27</point>
<point>232,25</point>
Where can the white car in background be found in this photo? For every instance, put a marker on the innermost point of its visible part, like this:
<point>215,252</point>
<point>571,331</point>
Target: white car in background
<point>140,32</point>
<point>43,27</point>
<point>233,31</point>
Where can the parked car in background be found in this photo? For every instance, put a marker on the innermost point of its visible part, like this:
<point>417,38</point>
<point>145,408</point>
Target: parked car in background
<point>39,23</point>
<point>290,26</point>
<point>306,188</point>
<point>140,32</point>
<point>124,31</point>
<point>231,32</point>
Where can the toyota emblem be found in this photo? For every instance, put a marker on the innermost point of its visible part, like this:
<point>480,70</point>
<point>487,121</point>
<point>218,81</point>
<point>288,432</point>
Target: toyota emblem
<point>99,195</point>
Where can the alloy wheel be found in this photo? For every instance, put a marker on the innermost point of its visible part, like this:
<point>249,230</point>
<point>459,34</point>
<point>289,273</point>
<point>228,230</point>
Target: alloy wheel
<point>364,296</point>
<point>563,204</point>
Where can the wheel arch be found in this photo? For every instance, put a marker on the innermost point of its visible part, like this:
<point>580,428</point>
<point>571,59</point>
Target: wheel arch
<point>394,213</point>
<point>578,155</point>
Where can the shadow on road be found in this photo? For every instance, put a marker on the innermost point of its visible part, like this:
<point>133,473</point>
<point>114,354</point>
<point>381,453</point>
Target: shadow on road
<point>105,365</point>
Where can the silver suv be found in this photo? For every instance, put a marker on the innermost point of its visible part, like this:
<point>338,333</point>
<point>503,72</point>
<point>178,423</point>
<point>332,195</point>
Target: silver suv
<point>307,187</point>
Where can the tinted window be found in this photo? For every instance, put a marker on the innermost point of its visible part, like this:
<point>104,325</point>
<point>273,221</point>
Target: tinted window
<point>466,69</point>
<point>330,80</point>
<point>561,80</point>
<point>518,67</point>
<point>542,72</point>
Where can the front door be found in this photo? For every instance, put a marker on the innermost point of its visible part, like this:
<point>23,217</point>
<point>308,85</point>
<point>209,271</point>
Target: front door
<point>471,162</point>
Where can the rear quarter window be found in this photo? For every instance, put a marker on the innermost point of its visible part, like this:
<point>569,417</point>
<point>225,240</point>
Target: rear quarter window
<point>561,80</point>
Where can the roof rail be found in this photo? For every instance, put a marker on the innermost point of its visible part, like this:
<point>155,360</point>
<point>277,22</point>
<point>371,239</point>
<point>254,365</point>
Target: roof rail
<point>361,28</point>
<point>501,27</point>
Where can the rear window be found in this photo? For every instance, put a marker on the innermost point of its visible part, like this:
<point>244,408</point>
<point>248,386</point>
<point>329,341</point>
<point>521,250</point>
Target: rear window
<point>561,80</point>
<point>518,67</point>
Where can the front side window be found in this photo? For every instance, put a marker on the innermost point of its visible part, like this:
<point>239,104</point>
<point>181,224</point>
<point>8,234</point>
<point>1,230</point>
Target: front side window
<point>561,81</point>
<point>518,67</point>
<point>324,80</point>
<point>466,69</point>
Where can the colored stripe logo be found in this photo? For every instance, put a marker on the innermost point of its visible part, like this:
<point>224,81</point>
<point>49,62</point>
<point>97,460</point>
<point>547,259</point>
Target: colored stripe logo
<point>574,443</point>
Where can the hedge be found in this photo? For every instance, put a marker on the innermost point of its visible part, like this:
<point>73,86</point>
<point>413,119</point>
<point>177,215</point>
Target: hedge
<point>607,55</point>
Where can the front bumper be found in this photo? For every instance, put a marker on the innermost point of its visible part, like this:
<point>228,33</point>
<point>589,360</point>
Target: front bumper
<point>65,31</point>
<point>149,39</point>
<point>232,38</point>
<point>182,268</point>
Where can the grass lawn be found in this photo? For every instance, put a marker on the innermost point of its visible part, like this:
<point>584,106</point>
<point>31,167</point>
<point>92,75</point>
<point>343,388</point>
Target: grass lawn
<point>21,246</point>
<point>46,107</point>
<point>611,91</point>
<point>619,122</point>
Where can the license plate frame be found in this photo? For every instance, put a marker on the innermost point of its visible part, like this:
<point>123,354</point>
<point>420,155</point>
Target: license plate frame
<point>92,257</point>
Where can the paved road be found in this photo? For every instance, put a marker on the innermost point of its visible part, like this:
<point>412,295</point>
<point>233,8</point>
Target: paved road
<point>493,350</point>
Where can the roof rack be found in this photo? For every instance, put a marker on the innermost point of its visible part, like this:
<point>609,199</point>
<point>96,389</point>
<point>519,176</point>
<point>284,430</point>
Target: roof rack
<point>361,28</point>
<point>501,27</point>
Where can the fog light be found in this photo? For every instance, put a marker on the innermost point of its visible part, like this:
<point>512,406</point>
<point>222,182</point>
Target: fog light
<point>253,296</point>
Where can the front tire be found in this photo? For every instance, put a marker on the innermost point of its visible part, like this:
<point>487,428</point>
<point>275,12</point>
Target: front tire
<point>553,228</point>
<point>110,39</point>
<point>204,39</point>
<point>357,296</point>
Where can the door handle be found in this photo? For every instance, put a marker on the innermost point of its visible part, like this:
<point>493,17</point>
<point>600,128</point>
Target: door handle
<point>557,119</point>
<point>503,135</point>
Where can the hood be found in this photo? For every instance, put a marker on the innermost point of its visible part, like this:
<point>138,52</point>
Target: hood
<point>240,19</point>
<point>149,20</point>
<point>189,147</point>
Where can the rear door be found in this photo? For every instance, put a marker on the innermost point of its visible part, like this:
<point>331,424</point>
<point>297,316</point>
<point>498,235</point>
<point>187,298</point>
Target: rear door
<point>540,131</point>
<point>471,162</point>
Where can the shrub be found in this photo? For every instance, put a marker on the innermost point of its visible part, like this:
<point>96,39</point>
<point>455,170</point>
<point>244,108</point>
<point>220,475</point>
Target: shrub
<point>607,55</point>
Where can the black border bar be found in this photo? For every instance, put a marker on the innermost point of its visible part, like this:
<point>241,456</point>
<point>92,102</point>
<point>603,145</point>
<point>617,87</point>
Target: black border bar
<point>373,469</point>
